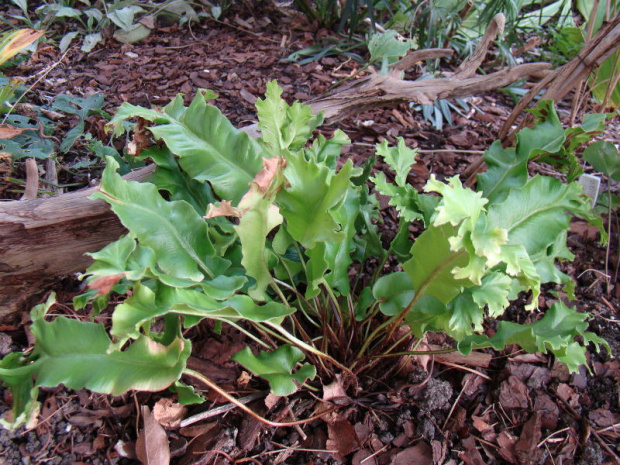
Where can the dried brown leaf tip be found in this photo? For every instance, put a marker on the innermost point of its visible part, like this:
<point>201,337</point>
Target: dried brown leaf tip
<point>224,208</point>
<point>264,177</point>
<point>104,284</point>
<point>8,132</point>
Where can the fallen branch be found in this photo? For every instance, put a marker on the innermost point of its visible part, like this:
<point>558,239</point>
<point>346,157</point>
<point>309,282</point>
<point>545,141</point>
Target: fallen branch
<point>563,80</point>
<point>557,85</point>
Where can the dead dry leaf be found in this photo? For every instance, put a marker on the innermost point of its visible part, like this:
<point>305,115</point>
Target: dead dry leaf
<point>343,438</point>
<point>506,443</point>
<point>225,208</point>
<point>471,456</point>
<point>104,284</point>
<point>169,414</point>
<point>265,176</point>
<point>334,392</point>
<point>8,132</point>
<point>17,42</point>
<point>152,446</point>
<point>526,449</point>
<point>271,400</point>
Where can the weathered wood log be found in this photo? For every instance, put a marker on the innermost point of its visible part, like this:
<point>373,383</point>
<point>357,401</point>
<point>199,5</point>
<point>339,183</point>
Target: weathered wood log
<point>43,239</point>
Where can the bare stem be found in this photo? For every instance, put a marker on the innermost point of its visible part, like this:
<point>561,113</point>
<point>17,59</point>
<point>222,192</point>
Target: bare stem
<point>203,379</point>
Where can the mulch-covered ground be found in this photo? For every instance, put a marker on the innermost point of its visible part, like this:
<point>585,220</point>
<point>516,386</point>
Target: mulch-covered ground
<point>491,407</point>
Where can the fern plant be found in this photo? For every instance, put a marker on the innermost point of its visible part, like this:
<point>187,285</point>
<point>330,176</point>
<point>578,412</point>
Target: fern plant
<point>277,237</point>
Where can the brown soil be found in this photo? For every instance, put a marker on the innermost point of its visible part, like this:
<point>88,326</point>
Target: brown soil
<point>519,409</point>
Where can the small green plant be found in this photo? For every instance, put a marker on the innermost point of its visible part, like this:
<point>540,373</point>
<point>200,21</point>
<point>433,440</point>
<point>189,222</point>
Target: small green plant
<point>278,238</point>
<point>133,20</point>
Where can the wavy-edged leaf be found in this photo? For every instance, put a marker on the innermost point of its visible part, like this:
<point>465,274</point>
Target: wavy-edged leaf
<point>432,263</point>
<point>547,136</point>
<point>327,151</point>
<point>428,314</point>
<point>467,316</point>
<point>277,367</point>
<point>536,214</point>
<point>404,198</point>
<point>555,331</point>
<point>81,355</point>
<point>388,46</point>
<point>400,159</point>
<point>16,374</point>
<point>284,127</point>
<point>309,202</point>
<point>493,292</point>
<point>195,305</point>
<point>211,149</point>
<point>169,177</point>
<point>603,156</point>
<point>112,259</point>
<point>173,230</point>
<point>394,292</point>
<point>507,169</point>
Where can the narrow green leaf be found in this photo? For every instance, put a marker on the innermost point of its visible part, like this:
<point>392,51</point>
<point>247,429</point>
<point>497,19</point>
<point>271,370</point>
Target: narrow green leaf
<point>260,218</point>
<point>309,202</point>
<point>173,230</point>
<point>283,127</point>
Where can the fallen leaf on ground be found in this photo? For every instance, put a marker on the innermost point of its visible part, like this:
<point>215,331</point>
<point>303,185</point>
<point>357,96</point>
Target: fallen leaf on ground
<point>343,438</point>
<point>506,443</point>
<point>168,414</point>
<point>8,132</point>
<point>152,446</point>
<point>471,456</point>
<point>334,392</point>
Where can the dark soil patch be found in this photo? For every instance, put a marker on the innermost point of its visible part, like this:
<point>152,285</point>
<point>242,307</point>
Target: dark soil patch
<point>516,409</point>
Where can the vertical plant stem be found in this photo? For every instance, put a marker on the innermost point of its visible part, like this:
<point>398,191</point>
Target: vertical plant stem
<point>249,334</point>
<point>311,349</point>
